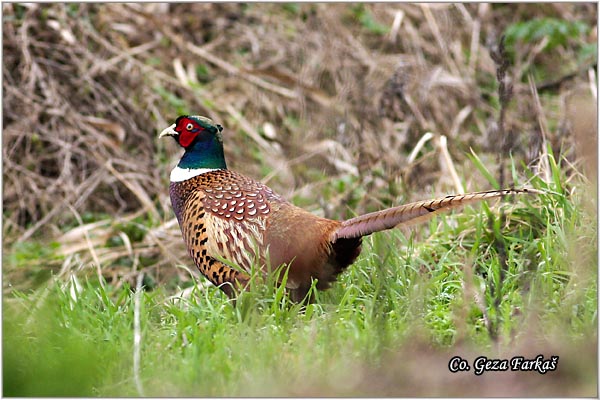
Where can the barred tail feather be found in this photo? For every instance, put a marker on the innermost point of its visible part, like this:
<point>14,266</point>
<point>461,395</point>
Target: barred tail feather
<point>413,213</point>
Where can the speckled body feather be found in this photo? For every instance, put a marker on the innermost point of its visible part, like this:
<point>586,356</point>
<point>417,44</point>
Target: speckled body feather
<point>225,215</point>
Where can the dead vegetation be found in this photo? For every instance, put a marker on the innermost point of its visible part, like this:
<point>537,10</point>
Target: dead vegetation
<point>344,108</point>
<point>310,94</point>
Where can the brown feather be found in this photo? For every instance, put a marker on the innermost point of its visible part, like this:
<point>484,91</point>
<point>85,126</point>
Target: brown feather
<point>416,212</point>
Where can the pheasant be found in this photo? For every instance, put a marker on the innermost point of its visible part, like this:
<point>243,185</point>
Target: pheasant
<point>226,216</point>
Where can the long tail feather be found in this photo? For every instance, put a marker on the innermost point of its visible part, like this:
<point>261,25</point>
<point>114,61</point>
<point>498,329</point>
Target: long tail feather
<point>413,213</point>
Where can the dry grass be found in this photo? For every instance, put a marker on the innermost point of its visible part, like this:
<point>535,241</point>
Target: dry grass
<point>304,91</point>
<point>344,108</point>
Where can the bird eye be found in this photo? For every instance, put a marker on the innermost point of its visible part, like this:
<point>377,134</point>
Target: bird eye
<point>189,126</point>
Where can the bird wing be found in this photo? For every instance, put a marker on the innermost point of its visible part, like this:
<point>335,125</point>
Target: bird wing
<point>237,209</point>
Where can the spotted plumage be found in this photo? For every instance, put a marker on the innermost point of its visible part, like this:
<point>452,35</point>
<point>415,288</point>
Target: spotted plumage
<point>230,210</point>
<point>231,223</point>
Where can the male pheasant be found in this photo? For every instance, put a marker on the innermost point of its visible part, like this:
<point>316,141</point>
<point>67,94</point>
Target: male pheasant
<point>224,215</point>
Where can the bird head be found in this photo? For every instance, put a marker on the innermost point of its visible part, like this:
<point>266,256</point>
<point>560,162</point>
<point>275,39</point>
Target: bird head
<point>188,129</point>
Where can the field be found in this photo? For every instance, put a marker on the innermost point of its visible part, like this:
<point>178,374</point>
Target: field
<point>343,109</point>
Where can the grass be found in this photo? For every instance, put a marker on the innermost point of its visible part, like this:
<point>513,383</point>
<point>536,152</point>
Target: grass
<point>435,292</point>
<point>325,103</point>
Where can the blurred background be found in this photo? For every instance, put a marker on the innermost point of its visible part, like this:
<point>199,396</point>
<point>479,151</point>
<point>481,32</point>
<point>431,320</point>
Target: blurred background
<point>323,102</point>
<point>342,108</point>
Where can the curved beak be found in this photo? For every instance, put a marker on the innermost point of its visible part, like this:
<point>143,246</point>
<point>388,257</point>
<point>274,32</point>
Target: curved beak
<point>170,131</point>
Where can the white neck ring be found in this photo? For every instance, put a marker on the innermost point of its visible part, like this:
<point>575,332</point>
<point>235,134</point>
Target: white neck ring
<point>179,174</point>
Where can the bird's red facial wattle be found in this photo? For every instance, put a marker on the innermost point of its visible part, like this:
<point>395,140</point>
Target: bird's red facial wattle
<point>188,130</point>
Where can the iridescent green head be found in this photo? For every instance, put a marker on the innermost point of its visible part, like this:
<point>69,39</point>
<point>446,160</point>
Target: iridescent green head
<point>201,138</point>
